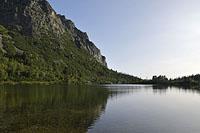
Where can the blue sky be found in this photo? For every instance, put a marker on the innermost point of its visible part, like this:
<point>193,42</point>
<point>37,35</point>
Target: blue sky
<point>141,37</point>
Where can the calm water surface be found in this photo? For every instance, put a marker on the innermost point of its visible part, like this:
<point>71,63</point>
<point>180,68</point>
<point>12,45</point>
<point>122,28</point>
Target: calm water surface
<point>106,109</point>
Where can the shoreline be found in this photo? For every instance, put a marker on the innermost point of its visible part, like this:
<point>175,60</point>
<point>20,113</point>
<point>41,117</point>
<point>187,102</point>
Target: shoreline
<point>65,82</point>
<point>30,82</point>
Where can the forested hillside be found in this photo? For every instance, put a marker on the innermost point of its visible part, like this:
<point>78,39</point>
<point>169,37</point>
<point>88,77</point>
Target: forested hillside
<point>37,44</point>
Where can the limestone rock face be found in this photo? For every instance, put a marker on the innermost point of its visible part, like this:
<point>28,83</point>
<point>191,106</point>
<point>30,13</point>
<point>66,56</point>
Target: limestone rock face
<point>82,40</point>
<point>30,16</point>
<point>36,17</point>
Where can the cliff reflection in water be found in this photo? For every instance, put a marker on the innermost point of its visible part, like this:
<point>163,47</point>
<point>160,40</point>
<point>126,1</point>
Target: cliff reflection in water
<point>56,108</point>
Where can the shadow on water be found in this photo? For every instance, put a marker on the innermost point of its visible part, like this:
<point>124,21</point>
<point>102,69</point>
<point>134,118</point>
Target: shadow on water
<point>55,108</point>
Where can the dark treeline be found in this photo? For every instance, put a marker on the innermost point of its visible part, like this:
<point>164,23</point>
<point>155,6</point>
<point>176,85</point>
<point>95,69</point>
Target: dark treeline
<point>181,81</point>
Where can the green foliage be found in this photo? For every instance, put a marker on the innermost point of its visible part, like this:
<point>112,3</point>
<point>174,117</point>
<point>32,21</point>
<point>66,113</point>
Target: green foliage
<point>52,58</point>
<point>3,74</point>
<point>3,30</point>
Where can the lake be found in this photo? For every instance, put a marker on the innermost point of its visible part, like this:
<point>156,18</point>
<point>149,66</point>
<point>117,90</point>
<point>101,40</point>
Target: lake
<point>99,109</point>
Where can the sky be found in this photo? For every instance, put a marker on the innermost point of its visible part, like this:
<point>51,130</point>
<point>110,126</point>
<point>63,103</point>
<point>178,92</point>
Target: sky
<point>141,37</point>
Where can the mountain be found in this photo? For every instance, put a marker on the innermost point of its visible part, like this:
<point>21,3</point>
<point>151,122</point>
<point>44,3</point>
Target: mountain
<point>37,44</point>
<point>36,17</point>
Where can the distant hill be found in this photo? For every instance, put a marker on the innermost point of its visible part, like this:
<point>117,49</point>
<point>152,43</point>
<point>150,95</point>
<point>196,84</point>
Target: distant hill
<point>193,80</point>
<point>37,44</point>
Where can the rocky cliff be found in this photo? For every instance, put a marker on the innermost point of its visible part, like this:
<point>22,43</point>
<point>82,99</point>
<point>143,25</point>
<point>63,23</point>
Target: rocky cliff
<point>36,17</point>
<point>82,40</point>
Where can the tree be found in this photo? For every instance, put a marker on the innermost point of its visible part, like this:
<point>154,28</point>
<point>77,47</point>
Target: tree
<point>3,75</point>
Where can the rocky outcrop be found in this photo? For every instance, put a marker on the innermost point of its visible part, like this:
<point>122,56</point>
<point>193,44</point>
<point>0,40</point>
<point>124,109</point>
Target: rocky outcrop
<point>36,17</point>
<point>82,40</point>
<point>30,16</point>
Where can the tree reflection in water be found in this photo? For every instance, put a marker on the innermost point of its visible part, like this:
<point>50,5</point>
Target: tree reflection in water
<point>63,108</point>
<point>54,108</point>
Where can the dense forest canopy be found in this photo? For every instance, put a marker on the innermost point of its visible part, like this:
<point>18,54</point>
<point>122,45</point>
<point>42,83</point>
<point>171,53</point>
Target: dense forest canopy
<point>26,58</point>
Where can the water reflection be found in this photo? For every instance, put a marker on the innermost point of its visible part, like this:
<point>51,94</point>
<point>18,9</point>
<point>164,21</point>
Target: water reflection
<point>150,109</point>
<point>124,89</point>
<point>77,109</point>
<point>57,108</point>
<point>163,89</point>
